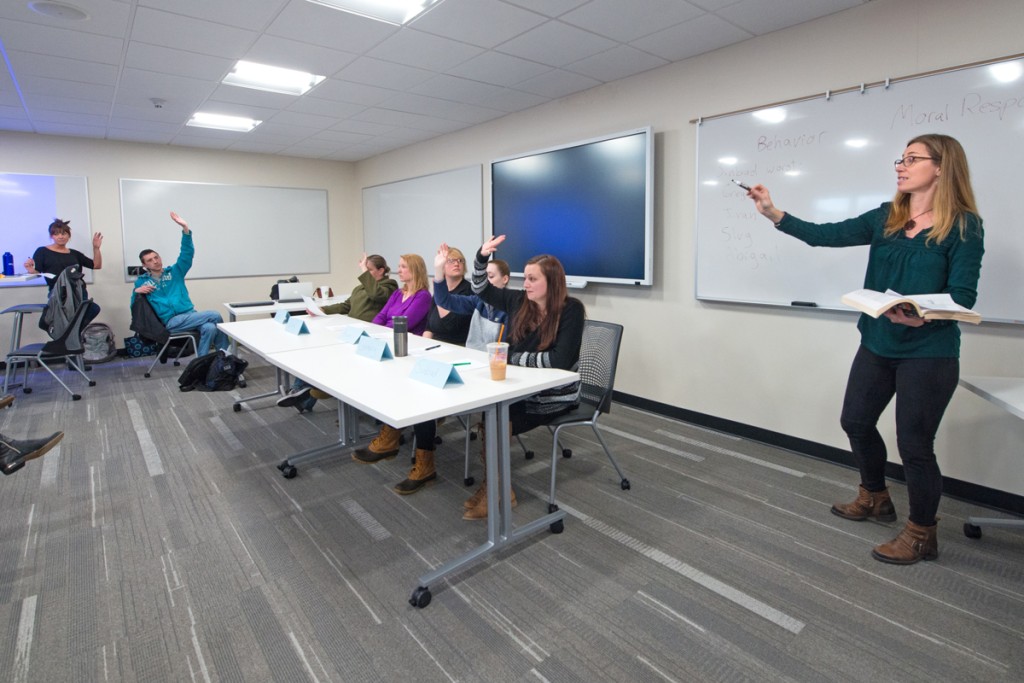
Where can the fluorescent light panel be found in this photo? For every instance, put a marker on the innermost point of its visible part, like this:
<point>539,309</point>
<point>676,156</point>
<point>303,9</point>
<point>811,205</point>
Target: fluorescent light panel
<point>238,124</point>
<point>396,12</point>
<point>271,78</point>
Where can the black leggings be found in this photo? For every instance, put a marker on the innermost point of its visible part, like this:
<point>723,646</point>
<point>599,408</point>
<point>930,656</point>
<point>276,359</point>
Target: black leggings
<point>923,388</point>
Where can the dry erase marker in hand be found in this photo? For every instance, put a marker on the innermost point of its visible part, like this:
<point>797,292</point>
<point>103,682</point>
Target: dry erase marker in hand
<point>740,184</point>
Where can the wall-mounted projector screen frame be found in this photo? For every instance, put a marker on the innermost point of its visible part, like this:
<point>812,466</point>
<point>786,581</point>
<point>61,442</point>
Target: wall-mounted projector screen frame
<point>239,230</point>
<point>589,203</point>
<point>830,158</point>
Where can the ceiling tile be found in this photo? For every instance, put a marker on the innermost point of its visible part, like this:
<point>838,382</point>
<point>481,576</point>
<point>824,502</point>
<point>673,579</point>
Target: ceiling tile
<point>626,21</point>
<point>177,62</point>
<point>52,66</point>
<point>556,44</point>
<point>557,83</point>
<point>248,14</point>
<point>681,41</point>
<point>31,85</point>
<point>347,91</point>
<point>415,48</point>
<point>499,69</point>
<point>486,23</point>
<point>105,18</point>
<point>549,8</point>
<point>37,39</point>
<point>619,62</point>
<point>191,35</point>
<point>294,54</point>
<point>383,74</point>
<point>764,16</point>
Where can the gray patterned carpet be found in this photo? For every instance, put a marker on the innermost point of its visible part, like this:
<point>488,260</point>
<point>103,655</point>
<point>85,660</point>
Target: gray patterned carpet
<point>160,543</point>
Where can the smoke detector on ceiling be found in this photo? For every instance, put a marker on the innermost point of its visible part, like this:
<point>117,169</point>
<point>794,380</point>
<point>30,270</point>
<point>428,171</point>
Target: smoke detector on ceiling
<point>58,10</point>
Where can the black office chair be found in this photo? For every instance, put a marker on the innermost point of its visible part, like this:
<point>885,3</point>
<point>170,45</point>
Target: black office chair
<point>68,347</point>
<point>147,324</point>
<point>599,358</point>
<point>182,340</point>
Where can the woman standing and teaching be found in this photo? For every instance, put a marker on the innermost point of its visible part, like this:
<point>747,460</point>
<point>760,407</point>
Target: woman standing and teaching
<point>54,258</point>
<point>929,239</point>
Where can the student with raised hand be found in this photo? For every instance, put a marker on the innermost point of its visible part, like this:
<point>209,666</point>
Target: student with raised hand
<point>413,302</point>
<point>54,258</point>
<point>928,239</point>
<point>168,294</point>
<point>484,327</point>
<point>366,301</point>
<point>444,324</point>
<point>544,330</point>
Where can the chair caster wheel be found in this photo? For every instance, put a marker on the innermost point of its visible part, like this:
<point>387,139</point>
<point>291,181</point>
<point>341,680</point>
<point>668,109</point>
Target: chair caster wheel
<point>566,452</point>
<point>437,440</point>
<point>76,397</point>
<point>237,407</point>
<point>557,527</point>
<point>177,364</point>
<point>552,507</point>
<point>27,390</point>
<point>469,481</point>
<point>88,368</point>
<point>472,436</point>
<point>529,455</point>
<point>290,472</point>
<point>92,383</point>
<point>401,440</point>
<point>624,484</point>
<point>241,383</point>
<point>147,375</point>
<point>420,597</point>
<point>972,531</point>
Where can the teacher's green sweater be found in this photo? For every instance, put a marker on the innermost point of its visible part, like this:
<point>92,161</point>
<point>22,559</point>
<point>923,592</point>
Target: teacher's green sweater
<point>907,266</point>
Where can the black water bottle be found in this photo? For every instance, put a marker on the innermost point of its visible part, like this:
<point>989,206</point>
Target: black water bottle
<point>401,325</point>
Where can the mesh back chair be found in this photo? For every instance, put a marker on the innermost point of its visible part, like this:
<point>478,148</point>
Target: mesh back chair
<point>68,346</point>
<point>599,357</point>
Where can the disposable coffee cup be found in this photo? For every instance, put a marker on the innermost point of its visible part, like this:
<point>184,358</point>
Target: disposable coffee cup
<point>497,356</point>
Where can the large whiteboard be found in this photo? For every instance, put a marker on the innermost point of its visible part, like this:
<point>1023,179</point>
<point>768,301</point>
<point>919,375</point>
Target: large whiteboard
<point>238,230</point>
<point>813,172</point>
<point>414,216</point>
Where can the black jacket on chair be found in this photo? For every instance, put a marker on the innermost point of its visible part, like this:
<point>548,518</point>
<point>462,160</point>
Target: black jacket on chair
<point>146,323</point>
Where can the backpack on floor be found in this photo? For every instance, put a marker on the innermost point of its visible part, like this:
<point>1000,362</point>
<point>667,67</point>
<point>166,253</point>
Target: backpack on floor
<point>98,343</point>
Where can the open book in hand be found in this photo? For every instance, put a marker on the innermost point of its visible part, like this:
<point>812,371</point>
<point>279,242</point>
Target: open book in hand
<point>927,306</point>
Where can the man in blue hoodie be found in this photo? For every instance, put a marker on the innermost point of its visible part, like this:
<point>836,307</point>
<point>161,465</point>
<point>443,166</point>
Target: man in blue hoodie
<point>165,288</point>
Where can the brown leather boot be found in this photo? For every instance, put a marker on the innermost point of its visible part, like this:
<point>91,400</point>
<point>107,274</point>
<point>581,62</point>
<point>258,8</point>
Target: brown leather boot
<point>912,544</point>
<point>383,447</point>
<point>479,511</point>
<point>876,505</point>
<point>422,471</point>
<point>6,401</point>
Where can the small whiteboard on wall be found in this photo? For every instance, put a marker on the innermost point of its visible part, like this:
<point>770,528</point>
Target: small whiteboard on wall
<point>414,216</point>
<point>238,230</point>
<point>832,159</point>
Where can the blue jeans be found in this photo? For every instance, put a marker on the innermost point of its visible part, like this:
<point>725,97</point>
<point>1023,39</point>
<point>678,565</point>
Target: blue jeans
<point>923,388</point>
<point>206,323</point>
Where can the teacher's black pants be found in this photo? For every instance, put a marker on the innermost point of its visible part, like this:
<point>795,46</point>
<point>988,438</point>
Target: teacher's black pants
<point>923,388</point>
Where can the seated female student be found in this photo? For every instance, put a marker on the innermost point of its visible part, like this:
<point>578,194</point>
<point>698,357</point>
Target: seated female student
<point>365,302</point>
<point>412,301</point>
<point>444,324</point>
<point>545,330</point>
<point>486,323</point>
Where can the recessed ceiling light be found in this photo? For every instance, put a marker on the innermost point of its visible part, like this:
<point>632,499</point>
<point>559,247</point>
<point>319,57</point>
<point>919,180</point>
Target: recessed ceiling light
<point>271,78</point>
<point>58,10</point>
<point>222,122</point>
<point>391,11</point>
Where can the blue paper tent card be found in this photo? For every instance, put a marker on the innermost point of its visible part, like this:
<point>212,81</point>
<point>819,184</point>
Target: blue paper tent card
<point>282,317</point>
<point>435,373</point>
<point>296,326</point>
<point>352,334</point>
<point>374,349</point>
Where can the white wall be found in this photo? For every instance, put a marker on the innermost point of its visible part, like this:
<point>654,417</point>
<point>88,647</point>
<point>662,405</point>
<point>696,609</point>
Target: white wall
<point>780,370</point>
<point>104,163</point>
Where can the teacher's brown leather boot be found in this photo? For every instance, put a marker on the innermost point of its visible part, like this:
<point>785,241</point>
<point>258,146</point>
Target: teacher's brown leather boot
<point>913,544</point>
<point>875,505</point>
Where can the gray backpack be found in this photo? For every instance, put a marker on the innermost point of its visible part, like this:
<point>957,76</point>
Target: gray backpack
<point>98,342</point>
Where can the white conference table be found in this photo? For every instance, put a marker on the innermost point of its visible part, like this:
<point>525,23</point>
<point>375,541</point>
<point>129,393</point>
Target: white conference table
<point>1008,394</point>
<point>385,390</point>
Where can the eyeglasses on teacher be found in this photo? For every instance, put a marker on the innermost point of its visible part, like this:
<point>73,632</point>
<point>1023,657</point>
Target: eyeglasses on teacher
<point>910,160</point>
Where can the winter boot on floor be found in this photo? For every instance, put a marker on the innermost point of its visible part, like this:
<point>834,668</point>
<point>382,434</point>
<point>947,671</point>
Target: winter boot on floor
<point>874,505</point>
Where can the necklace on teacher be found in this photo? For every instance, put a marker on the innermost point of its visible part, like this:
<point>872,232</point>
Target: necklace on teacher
<point>911,224</point>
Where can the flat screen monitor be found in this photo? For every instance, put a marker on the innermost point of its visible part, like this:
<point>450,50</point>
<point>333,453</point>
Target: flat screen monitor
<point>588,203</point>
